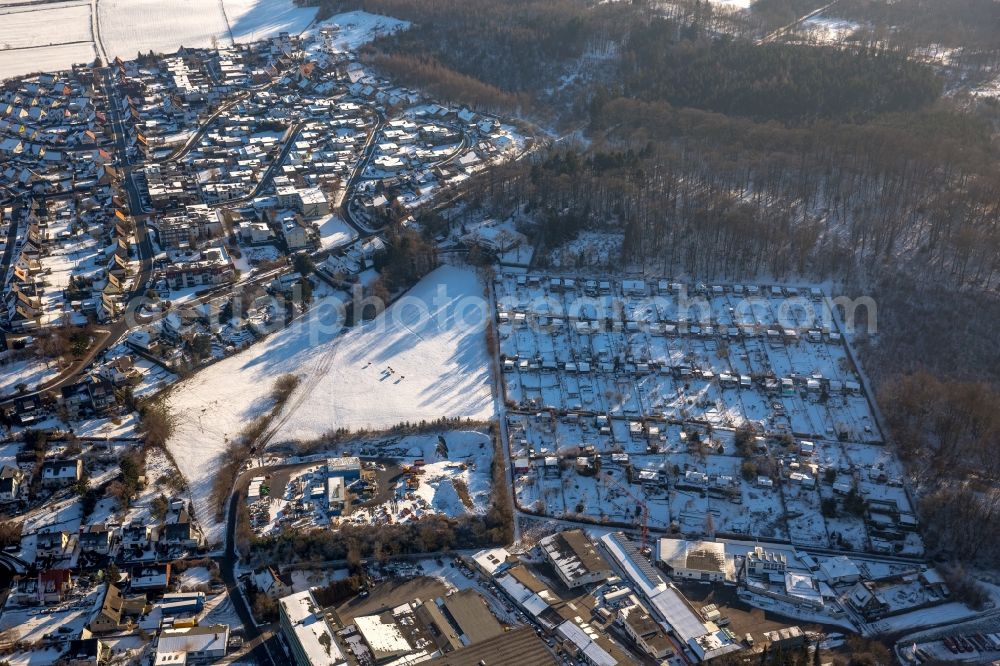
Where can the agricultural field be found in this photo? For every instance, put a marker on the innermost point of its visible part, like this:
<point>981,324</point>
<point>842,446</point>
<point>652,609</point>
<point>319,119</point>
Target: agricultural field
<point>54,36</point>
<point>44,38</point>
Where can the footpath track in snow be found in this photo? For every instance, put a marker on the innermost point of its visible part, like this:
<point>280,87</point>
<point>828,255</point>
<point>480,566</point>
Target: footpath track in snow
<point>95,29</point>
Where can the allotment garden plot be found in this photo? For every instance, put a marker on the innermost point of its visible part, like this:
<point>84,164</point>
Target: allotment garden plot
<point>731,409</point>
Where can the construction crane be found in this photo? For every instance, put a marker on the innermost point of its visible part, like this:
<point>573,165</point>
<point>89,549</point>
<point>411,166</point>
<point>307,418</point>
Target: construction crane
<point>609,480</point>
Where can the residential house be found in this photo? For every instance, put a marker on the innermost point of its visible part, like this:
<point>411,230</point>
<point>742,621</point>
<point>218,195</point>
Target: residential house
<point>176,233</point>
<point>138,536</point>
<point>54,585</point>
<point>60,473</point>
<point>51,544</point>
<point>840,570</point>
<point>180,532</point>
<point>95,539</point>
<point>120,370</point>
<point>197,274</point>
<point>150,577</point>
<point>28,410</point>
<point>11,479</point>
<point>312,203</point>
<point>93,395</point>
<point>111,616</point>
<point>88,651</point>
<point>295,235</point>
<point>275,585</point>
<point>867,600</point>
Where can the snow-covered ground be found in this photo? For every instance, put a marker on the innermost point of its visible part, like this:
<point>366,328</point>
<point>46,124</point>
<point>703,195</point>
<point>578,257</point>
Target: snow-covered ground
<point>334,232</point>
<point>18,62</point>
<point>432,338</point>
<point>951,613</point>
<point>251,20</point>
<point>359,27</point>
<point>463,459</point>
<point>25,27</point>
<point>733,4</point>
<point>304,579</point>
<point>425,357</point>
<point>220,610</point>
<point>29,372</point>
<point>32,624</point>
<point>55,36</point>
<point>194,577</point>
<point>828,30</point>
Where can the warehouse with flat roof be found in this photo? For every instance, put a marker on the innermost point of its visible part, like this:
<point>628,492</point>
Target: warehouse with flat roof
<point>575,558</point>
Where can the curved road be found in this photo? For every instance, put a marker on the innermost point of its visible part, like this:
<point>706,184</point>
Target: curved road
<point>116,329</point>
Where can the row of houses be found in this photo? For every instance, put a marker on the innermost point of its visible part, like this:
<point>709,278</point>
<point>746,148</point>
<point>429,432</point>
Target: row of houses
<point>132,542</point>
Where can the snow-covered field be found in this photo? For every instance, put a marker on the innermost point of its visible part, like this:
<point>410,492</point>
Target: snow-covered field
<point>432,338</point>
<point>25,27</point>
<point>425,357</point>
<point>251,20</point>
<point>52,37</point>
<point>334,232</point>
<point>358,27</point>
<point>19,62</point>
<point>29,372</point>
<point>131,26</point>
<point>43,38</point>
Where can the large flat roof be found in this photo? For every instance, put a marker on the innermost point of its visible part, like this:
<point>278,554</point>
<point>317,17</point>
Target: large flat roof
<point>519,647</point>
<point>469,613</point>
<point>311,629</point>
<point>382,635</point>
<point>574,554</point>
<point>708,556</point>
<point>675,611</point>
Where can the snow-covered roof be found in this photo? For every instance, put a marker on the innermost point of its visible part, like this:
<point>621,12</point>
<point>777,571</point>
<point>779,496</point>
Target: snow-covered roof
<point>802,586</point>
<point>682,620</point>
<point>573,554</point>
<point>650,582</point>
<point>840,567</point>
<point>384,638</point>
<point>491,560</point>
<point>310,629</point>
<point>595,654</point>
<point>664,599</point>
<point>210,639</point>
